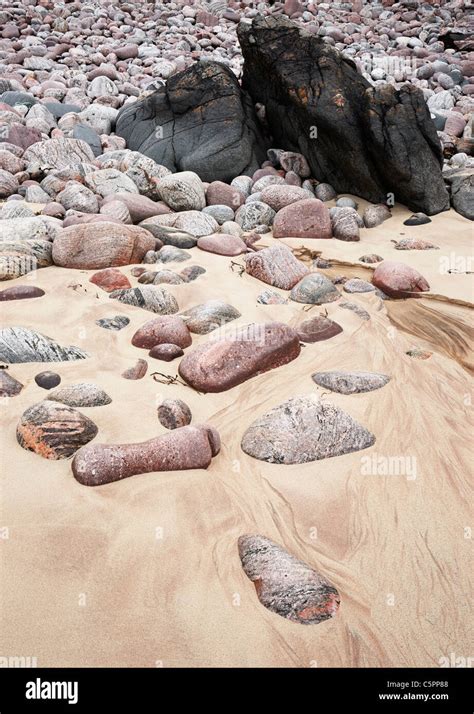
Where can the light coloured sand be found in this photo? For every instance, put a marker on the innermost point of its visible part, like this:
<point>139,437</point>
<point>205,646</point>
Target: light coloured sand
<point>146,571</point>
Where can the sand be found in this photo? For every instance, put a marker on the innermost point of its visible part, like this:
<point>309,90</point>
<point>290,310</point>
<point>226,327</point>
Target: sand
<point>146,573</point>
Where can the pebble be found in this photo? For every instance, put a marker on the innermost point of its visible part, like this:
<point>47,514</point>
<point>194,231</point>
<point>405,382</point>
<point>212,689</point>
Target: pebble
<point>356,285</point>
<point>84,394</point>
<point>188,447</point>
<point>317,329</point>
<point>375,215</point>
<point>350,382</point>
<point>285,585</point>
<point>277,197</point>
<point>166,352</point>
<point>148,297</point>
<point>417,219</point>
<point>21,292</point>
<point>160,330</point>
<point>174,413</point>
<point>254,214</point>
<point>315,289</point>
<point>47,380</point>
<point>209,316</point>
<point>138,370</point>
<point>110,279</point>
<point>414,244</point>
<point>113,323</point>
<point>53,430</point>
<point>304,429</point>
<point>270,297</point>
<point>9,386</point>
<point>371,258</point>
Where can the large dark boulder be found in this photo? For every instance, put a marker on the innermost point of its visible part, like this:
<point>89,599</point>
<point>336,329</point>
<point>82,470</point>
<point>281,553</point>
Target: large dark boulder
<point>365,140</point>
<point>200,121</point>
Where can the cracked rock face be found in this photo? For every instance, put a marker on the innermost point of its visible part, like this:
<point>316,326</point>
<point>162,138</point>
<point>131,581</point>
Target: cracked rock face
<point>362,131</point>
<point>201,121</point>
<point>303,429</point>
<point>286,585</point>
<point>21,344</point>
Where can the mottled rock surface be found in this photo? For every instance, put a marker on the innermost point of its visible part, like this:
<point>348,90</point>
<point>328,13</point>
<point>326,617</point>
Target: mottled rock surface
<point>285,585</point>
<point>303,430</point>
<point>350,382</point>
<point>53,430</point>
<point>226,362</point>
<point>276,266</point>
<point>84,394</point>
<point>174,413</point>
<point>189,447</point>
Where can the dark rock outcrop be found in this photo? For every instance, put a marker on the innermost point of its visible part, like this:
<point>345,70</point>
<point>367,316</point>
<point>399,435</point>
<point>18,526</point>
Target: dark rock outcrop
<point>364,140</point>
<point>201,121</point>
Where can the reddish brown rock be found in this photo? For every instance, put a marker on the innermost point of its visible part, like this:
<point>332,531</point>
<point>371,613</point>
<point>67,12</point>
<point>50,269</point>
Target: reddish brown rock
<point>190,447</point>
<point>21,292</point>
<point>101,245</point>
<point>140,207</point>
<point>317,329</point>
<point>162,330</point>
<point>110,279</point>
<point>304,219</point>
<point>54,430</point>
<point>221,194</point>
<point>223,363</point>
<point>398,280</point>
<point>222,244</point>
<point>276,266</point>
<point>166,352</point>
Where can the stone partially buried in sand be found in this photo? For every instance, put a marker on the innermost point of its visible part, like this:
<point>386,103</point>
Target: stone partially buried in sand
<point>162,330</point>
<point>276,266</point>
<point>222,244</point>
<point>21,344</point>
<point>302,430</point>
<point>350,382</point>
<point>53,430</point>
<point>209,316</point>
<point>149,298</point>
<point>110,279</point>
<point>138,370</point>
<point>315,289</point>
<point>9,386</point>
<point>398,280</point>
<point>21,292</point>
<point>285,585</point>
<point>80,395</point>
<point>317,329</point>
<point>189,447</point>
<point>226,362</point>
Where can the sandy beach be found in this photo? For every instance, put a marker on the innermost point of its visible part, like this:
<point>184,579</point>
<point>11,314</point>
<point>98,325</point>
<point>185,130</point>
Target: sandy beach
<point>145,572</point>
